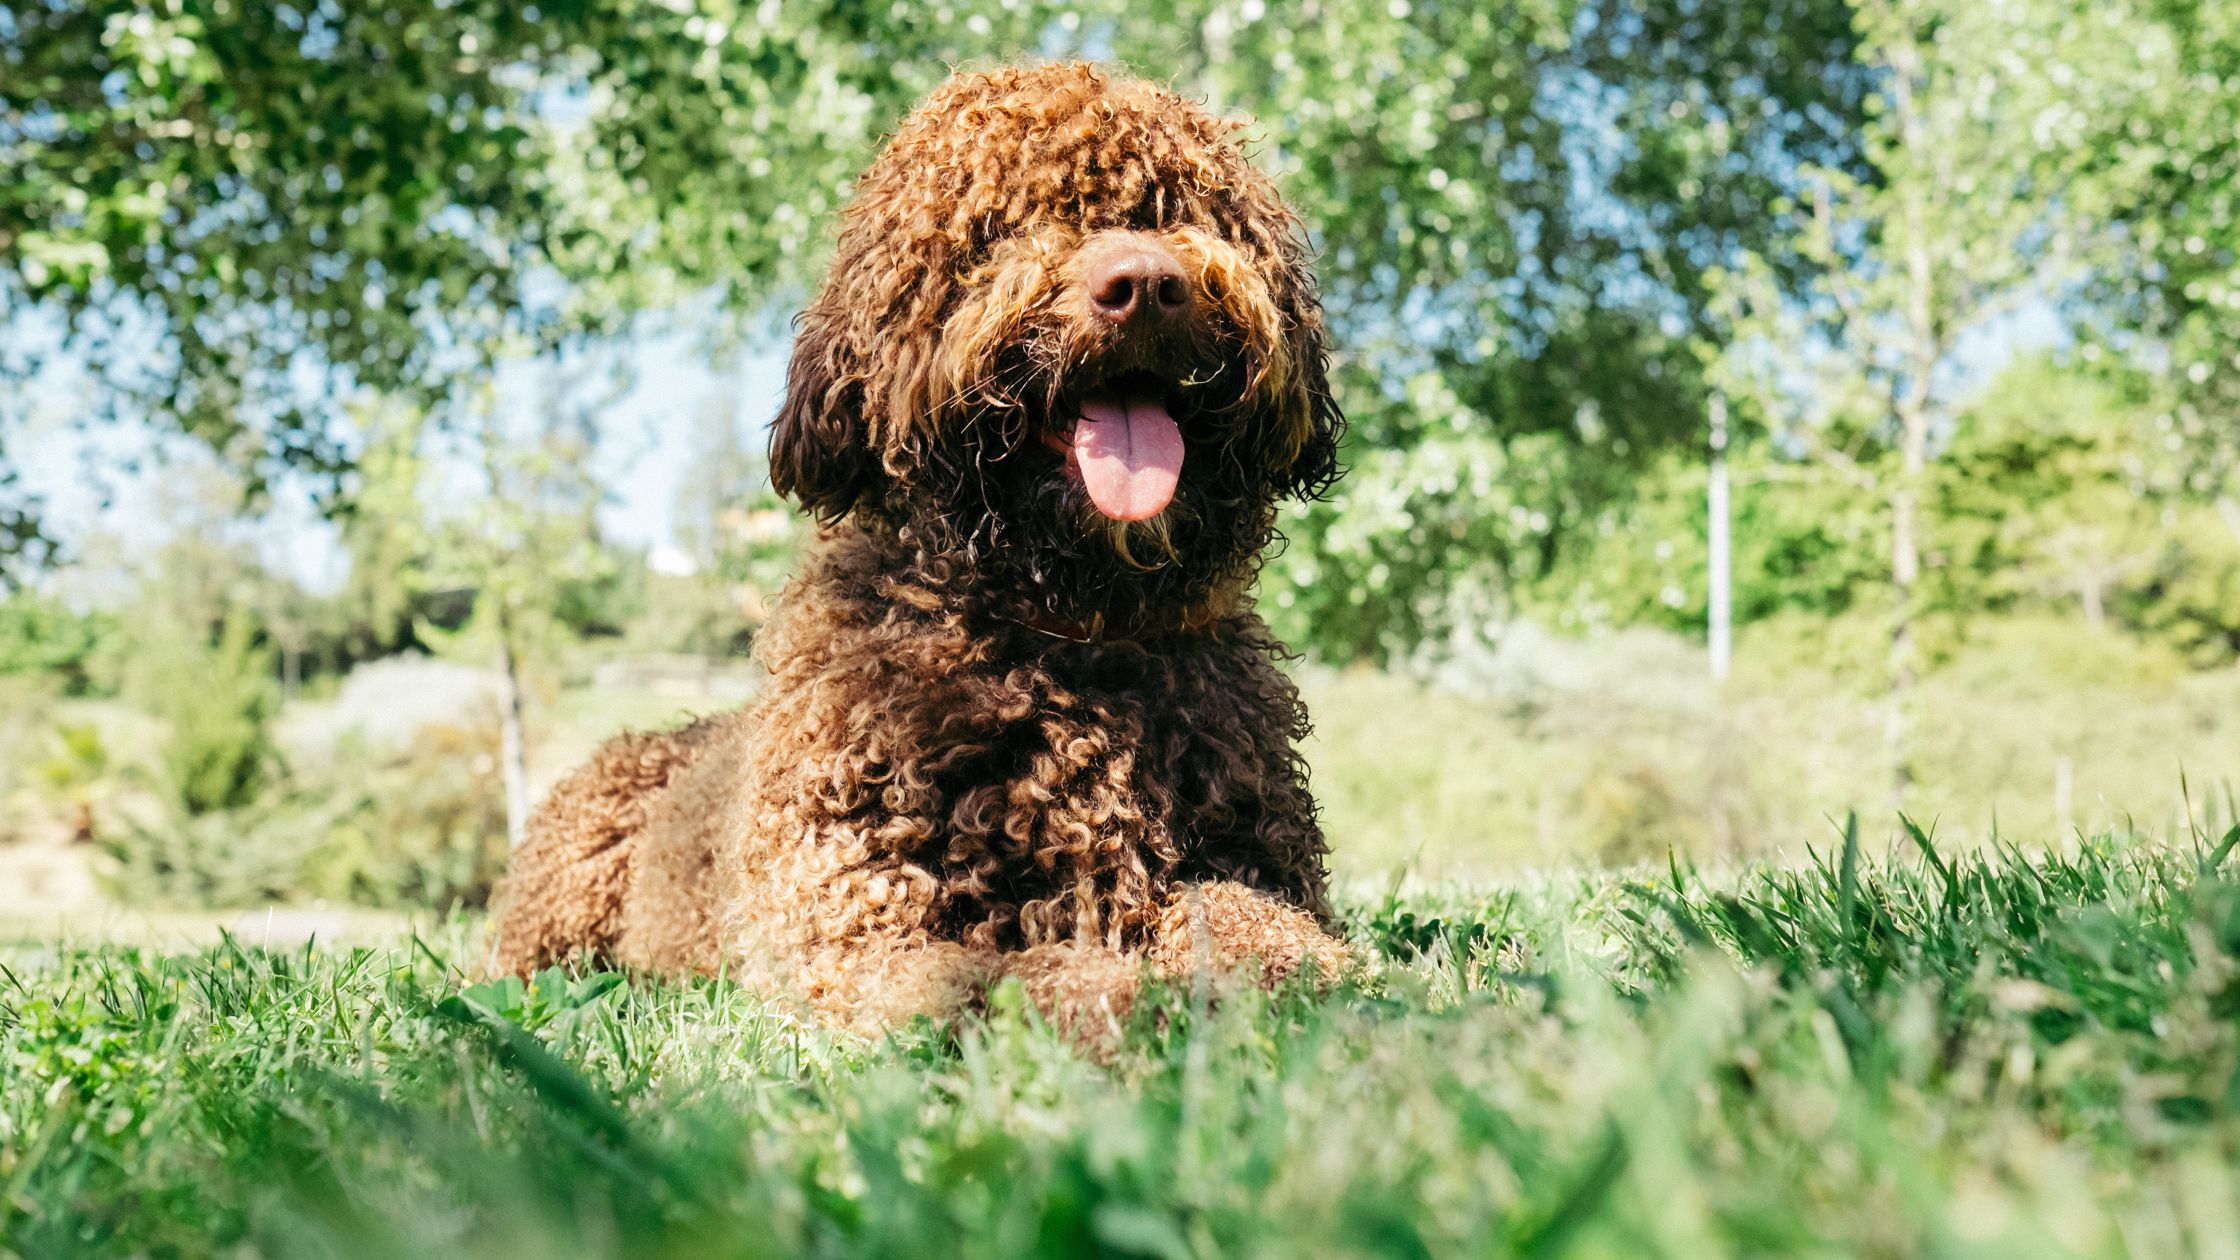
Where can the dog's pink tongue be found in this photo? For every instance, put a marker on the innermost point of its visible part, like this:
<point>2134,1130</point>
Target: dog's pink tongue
<point>1130,453</point>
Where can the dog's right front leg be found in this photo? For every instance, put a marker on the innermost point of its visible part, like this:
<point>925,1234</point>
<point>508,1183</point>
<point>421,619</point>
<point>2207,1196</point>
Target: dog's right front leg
<point>854,939</point>
<point>1085,990</point>
<point>875,985</point>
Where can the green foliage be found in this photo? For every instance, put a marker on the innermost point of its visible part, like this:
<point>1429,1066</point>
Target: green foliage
<point>216,701</point>
<point>422,827</point>
<point>2058,490</point>
<point>550,997</point>
<point>1971,148</point>
<point>2075,491</point>
<point>250,855</point>
<point>528,539</point>
<point>245,212</point>
<point>2165,172</point>
<point>266,191</point>
<point>696,615</point>
<point>26,718</point>
<point>388,537</point>
<point>1424,545</point>
<point>265,207</point>
<point>1539,222</point>
<point>75,771</point>
<point>734,527</point>
<point>1517,298</point>
<point>43,637</point>
<point>528,548</point>
<point>1916,1053</point>
<point>2191,593</point>
<point>1802,544</point>
<point>1471,230</point>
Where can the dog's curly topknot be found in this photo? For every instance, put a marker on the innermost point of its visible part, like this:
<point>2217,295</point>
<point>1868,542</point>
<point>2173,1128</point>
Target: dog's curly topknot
<point>1006,731</point>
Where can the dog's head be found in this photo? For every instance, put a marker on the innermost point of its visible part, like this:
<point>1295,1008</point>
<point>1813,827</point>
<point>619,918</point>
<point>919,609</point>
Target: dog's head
<point>1070,341</point>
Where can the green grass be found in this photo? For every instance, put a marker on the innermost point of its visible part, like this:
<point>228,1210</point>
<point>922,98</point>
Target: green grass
<point>1926,1054</point>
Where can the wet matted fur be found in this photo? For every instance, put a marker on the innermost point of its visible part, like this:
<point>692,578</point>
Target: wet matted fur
<point>1005,733</point>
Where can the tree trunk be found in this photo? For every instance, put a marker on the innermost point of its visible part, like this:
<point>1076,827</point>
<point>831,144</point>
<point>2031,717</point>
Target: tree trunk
<point>2229,509</point>
<point>1911,409</point>
<point>2092,587</point>
<point>1905,574</point>
<point>512,757</point>
<point>1721,594</point>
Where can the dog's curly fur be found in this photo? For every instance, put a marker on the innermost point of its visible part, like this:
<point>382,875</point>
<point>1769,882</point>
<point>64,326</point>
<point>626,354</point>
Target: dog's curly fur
<point>1002,734</point>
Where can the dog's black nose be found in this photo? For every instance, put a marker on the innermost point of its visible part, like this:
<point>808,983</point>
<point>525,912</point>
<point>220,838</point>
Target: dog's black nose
<point>1134,279</point>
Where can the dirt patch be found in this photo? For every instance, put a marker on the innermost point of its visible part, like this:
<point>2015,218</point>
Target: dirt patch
<point>51,892</point>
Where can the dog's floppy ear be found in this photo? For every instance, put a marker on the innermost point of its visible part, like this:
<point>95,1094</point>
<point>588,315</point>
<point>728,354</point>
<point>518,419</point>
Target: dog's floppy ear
<point>1315,468</point>
<point>820,448</point>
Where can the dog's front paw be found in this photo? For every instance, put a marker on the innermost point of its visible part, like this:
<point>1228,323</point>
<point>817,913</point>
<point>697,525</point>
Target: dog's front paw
<point>1085,991</point>
<point>1227,928</point>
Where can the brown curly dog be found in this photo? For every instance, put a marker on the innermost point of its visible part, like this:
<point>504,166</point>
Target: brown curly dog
<point>1020,719</point>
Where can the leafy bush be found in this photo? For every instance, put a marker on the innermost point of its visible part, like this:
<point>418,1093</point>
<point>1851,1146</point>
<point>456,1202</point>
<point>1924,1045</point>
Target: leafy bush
<point>76,772</point>
<point>41,637</point>
<point>217,701</point>
<point>25,706</point>
<point>250,855</point>
<point>1420,545</point>
<point>423,826</point>
<point>426,826</point>
<point>2190,593</point>
<point>694,615</point>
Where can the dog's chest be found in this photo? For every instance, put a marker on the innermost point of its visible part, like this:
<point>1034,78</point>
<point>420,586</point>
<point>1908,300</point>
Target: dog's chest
<point>1082,783</point>
<point>1117,755</point>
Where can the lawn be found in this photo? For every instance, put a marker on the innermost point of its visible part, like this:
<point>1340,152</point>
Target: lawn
<point>2006,1052</point>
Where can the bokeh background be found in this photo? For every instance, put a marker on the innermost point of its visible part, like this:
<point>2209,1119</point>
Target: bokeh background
<point>1760,410</point>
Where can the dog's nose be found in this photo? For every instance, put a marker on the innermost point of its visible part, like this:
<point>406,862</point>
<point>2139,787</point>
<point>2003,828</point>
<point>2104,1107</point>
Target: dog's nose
<point>1135,281</point>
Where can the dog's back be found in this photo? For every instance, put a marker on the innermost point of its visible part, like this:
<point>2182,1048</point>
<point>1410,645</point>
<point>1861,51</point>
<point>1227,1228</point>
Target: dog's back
<point>615,837</point>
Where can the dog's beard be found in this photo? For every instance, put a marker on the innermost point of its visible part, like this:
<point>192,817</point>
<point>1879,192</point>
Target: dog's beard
<point>1026,528</point>
<point>1153,539</point>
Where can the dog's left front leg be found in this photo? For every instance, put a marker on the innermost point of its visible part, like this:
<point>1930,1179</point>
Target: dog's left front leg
<point>1226,928</point>
<point>1085,990</point>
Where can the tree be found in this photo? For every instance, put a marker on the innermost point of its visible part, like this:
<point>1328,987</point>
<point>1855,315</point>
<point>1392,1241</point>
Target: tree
<point>529,546</point>
<point>243,215</point>
<point>2165,187</point>
<point>284,204</point>
<point>1972,143</point>
<point>241,210</point>
<point>42,637</point>
<point>1518,208</point>
<point>726,474</point>
<point>742,538</point>
<point>386,533</point>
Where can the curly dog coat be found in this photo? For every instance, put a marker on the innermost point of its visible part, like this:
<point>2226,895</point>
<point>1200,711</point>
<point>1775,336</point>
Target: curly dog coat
<point>1020,718</point>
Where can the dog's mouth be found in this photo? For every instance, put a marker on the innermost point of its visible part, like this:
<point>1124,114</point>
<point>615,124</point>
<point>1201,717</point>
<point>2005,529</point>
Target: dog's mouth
<point>1125,446</point>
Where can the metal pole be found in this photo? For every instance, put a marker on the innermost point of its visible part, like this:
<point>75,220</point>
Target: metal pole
<point>1722,561</point>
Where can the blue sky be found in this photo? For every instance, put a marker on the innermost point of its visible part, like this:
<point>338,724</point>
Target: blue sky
<point>92,495</point>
